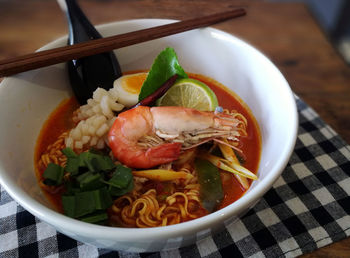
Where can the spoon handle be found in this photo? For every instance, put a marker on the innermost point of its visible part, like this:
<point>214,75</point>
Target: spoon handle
<point>88,73</point>
<point>80,28</point>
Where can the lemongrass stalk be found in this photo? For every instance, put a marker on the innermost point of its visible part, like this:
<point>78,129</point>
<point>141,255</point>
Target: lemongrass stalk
<point>226,165</point>
<point>230,155</point>
<point>162,174</point>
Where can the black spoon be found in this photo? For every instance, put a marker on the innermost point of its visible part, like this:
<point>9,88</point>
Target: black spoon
<point>88,73</point>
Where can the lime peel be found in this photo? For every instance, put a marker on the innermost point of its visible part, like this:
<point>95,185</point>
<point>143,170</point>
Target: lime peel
<point>190,93</point>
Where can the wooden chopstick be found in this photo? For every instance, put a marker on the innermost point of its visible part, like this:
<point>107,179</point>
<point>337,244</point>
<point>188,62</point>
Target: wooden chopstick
<point>62,54</point>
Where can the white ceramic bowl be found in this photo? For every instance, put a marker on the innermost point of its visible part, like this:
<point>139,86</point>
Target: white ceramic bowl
<point>27,99</point>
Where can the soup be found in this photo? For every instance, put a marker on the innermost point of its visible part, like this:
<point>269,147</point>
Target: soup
<point>159,194</point>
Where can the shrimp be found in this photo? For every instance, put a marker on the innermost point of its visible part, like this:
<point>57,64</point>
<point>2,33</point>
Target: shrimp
<point>145,137</point>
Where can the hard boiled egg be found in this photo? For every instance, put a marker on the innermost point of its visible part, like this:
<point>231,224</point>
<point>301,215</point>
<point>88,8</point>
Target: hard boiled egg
<point>128,88</point>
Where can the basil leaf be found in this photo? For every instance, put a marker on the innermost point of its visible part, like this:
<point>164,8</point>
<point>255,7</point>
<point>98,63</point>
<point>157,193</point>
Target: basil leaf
<point>165,65</point>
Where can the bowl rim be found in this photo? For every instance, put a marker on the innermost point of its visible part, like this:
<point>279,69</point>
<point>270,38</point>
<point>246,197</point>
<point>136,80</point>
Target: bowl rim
<point>129,234</point>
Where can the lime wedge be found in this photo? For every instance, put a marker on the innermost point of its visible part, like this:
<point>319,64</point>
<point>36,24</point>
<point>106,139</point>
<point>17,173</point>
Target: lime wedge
<point>190,93</point>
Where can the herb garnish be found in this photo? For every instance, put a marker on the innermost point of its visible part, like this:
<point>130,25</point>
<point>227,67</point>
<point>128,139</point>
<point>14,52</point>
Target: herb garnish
<point>91,180</point>
<point>164,66</point>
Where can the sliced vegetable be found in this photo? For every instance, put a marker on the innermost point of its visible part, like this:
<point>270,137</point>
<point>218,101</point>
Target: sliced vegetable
<point>230,155</point>
<point>229,166</point>
<point>68,203</point>
<point>93,180</point>
<point>165,66</point>
<point>211,192</point>
<point>95,162</point>
<point>89,181</point>
<point>69,153</point>
<point>121,177</point>
<point>84,203</point>
<point>102,199</point>
<point>162,174</point>
<point>115,191</point>
<point>86,161</point>
<point>72,165</point>
<point>95,217</point>
<point>53,174</point>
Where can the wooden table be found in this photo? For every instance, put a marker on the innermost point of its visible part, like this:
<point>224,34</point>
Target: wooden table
<point>285,32</point>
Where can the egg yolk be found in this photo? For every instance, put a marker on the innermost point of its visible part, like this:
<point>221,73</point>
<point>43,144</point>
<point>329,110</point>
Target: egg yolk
<point>132,84</point>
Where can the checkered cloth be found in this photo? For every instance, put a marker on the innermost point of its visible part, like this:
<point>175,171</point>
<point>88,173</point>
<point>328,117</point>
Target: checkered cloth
<point>307,208</point>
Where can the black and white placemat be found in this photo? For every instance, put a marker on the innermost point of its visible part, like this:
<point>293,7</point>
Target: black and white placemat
<point>307,208</point>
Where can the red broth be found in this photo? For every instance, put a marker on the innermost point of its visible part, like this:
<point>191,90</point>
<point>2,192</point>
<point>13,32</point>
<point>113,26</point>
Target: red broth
<point>59,121</point>
<point>251,145</point>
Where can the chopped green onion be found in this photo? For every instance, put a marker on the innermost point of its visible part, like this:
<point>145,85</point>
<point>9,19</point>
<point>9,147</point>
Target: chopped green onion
<point>95,217</point>
<point>102,163</point>
<point>69,153</point>
<point>121,177</point>
<point>68,203</point>
<point>84,203</point>
<point>72,165</point>
<point>102,199</point>
<point>89,181</point>
<point>53,174</point>
<point>91,185</point>
<point>87,161</point>
<point>115,191</point>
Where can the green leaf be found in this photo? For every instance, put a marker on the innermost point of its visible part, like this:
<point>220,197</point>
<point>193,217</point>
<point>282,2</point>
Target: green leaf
<point>72,165</point>
<point>115,191</point>
<point>165,65</point>
<point>89,181</point>
<point>71,187</point>
<point>121,181</point>
<point>68,203</point>
<point>89,161</point>
<point>69,153</point>
<point>121,177</point>
<point>92,184</point>
<point>53,174</point>
<point>102,163</point>
<point>95,217</point>
<point>211,192</point>
<point>102,199</point>
<point>83,203</point>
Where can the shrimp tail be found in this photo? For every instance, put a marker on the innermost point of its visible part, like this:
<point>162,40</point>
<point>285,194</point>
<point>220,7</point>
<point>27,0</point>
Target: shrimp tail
<point>161,154</point>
